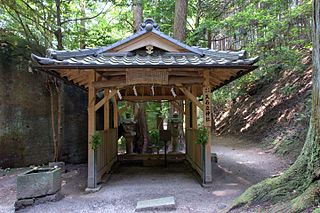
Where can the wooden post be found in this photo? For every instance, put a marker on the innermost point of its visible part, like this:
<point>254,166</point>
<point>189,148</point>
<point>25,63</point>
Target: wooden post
<point>106,111</point>
<point>194,110</point>
<point>207,111</point>
<point>92,170</point>
<point>194,126</point>
<point>115,113</point>
<point>187,124</point>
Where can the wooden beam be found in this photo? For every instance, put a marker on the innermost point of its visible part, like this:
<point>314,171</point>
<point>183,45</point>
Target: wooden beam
<point>185,73</point>
<point>120,81</point>
<point>113,82</point>
<point>105,99</point>
<point>184,80</point>
<point>190,96</point>
<point>152,98</point>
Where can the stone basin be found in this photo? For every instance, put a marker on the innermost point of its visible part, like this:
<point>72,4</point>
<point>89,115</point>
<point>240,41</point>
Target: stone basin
<point>38,182</point>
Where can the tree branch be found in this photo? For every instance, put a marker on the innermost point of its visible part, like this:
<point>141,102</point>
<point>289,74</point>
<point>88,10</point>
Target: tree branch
<point>85,18</point>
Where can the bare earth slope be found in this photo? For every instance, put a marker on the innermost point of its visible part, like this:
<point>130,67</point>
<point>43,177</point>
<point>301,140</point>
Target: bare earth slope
<point>274,111</point>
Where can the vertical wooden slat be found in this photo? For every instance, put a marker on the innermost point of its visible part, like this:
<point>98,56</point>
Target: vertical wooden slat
<point>92,170</point>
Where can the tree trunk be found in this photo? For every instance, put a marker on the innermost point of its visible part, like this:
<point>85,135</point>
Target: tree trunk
<point>298,188</point>
<point>58,32</point>
<point>56,90</point>
<point>209,35</point>
<point>180,20</point>
<point>53,125</point>
<point>59,120</point>
<point>137,14</point>
<point>82,42</point>
<point>141,139</point>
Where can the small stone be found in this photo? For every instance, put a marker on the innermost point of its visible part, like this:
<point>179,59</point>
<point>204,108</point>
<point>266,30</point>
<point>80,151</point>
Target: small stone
<point>163,204</point>
<point>19,204</point>
<point>221,205</point>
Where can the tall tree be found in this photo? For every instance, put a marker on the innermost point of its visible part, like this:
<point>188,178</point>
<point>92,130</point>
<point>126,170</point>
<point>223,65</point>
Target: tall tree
<point>180,20</point>
<point>82,42</point>
<point>139,112</point>
<point>58,32</point>
<point>137,14</point>
<point>299,187</point>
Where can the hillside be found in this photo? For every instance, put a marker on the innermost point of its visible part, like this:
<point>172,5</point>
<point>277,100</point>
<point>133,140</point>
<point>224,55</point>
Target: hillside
<point>273,111</point>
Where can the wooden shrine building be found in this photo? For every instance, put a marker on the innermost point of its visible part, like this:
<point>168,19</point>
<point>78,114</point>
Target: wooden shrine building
<point>148,58</point>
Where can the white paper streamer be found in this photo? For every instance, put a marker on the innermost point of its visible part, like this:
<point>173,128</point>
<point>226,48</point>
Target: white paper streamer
<point>173,92</point>
<point>152,90</point>
<point>135,91</point>
<point>119,94</point>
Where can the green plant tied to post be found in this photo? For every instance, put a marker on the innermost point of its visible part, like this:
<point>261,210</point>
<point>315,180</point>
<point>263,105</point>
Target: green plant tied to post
<point>96,140</point>
<point>202,136</point>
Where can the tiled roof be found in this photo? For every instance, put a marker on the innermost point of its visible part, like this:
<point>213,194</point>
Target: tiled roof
<point>138,60</point>
<point>100,56</point>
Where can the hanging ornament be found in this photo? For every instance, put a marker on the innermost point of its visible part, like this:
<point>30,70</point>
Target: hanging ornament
<point>152,90</point>
<point>135,91</point>
<point>119,94</point>
<point>173,92</point>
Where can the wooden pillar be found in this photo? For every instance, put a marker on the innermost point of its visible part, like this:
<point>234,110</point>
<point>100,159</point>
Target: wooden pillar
<point>187,125</point>
<point>92,170</point>
<point>115,113</point>
<point>106,111</point>
<point>207,116</point>
<point>194,109</point>
<point>196,156</point>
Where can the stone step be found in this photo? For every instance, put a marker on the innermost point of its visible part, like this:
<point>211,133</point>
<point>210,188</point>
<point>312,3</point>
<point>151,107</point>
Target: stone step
<point>164,204</point>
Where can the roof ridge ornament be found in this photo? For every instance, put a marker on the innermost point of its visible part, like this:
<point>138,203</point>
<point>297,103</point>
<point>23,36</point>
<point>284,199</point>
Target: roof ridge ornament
<point>149,24</point>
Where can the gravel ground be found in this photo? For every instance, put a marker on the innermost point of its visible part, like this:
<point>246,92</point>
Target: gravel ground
<point>240,165</point>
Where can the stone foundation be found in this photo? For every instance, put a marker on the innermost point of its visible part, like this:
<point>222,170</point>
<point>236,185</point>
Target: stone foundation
<point>22,203</point>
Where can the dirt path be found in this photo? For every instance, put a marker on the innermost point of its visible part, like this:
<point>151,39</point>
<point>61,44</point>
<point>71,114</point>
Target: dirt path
<point>239,166</point>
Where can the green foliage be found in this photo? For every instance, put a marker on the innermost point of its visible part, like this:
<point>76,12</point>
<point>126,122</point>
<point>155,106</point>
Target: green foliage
<point>155,138</point>
<point>202,136</point>
<point>96,140</point>
<point>122,143</point>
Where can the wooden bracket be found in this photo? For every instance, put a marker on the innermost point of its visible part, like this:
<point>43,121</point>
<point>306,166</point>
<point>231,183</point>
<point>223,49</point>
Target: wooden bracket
<point>190,96</point>
<point>104,100</point>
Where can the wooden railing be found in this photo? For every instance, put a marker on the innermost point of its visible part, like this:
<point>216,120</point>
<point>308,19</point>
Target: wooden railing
<point>193,150</point>
<point>107,152</point>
